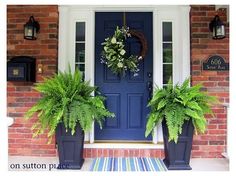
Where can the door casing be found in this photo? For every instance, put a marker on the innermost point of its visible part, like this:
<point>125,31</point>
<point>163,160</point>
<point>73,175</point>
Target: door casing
<point>178,14</point>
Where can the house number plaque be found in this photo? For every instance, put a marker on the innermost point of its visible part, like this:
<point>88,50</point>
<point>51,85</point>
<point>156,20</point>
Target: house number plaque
<point>215,63</point>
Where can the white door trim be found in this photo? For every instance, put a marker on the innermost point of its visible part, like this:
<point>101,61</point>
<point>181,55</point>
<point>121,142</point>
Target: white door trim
<point>178,15</point>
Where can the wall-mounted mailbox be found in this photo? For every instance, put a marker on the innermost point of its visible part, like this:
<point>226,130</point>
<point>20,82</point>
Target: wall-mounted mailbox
<point>21,68</point>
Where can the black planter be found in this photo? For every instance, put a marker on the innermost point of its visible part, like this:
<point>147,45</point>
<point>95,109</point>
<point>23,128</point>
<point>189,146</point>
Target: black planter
<point>177,155</point>
<point>70,148</point>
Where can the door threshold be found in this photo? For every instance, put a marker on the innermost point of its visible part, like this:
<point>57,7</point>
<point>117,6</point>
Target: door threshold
<point>124,145</point>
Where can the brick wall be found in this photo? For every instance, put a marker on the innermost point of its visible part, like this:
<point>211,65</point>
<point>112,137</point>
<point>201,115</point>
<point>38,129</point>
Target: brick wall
<point>21,96</point>
<point>213,143</point>
<point>112,152</point>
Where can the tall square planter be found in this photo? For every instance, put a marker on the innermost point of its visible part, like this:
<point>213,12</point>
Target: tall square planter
<point>177,155</point>
<point>70,147</point>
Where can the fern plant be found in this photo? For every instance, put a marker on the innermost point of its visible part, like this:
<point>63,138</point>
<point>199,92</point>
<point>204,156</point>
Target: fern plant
<point>178,103</point>
<point>67,98</point>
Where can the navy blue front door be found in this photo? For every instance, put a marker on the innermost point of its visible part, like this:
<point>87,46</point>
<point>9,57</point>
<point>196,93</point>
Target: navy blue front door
<point>126,96</point>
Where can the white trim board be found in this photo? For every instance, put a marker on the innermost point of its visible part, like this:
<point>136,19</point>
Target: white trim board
<point>178,15</point>
<point>124,145</point>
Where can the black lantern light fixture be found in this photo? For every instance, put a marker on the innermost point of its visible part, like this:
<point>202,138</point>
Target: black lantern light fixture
<point>217,28</point>
<point>31,28</point>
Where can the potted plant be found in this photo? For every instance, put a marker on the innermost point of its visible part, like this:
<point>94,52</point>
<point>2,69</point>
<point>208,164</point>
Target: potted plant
<point>68,109</point>
<point>181,111</point>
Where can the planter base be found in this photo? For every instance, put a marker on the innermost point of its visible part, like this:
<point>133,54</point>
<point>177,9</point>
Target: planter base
<point>176,167</point>
<point>71,166</point>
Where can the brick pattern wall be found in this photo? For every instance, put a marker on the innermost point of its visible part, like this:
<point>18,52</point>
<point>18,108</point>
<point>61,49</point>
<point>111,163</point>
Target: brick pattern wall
<point>213,143</point>
<point>91,153</point>
<point>20,95</point>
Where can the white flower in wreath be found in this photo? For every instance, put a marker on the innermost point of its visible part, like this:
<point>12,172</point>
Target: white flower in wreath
<point>122,52</point>
<point>105,48</point>
<point>120,65</point>
<point>113,40</point>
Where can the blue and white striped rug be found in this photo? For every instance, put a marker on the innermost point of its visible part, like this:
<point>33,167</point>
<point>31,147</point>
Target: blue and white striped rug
<point>128,164</point>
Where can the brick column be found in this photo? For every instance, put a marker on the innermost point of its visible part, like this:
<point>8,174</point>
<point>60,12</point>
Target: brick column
<point>213,143</point>
<point>21,95</point>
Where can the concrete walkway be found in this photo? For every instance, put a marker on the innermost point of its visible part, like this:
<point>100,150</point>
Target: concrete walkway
<point>22,163</point>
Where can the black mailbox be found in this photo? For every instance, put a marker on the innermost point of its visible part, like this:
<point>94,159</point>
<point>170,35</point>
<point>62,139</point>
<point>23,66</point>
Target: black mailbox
<point>21,68</point>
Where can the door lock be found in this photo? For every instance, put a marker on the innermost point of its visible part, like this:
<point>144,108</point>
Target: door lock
<point>149,74</point>
<point>149,87</point>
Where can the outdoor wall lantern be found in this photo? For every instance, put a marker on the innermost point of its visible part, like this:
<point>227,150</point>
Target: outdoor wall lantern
<point>31,28</point>
<point>217,28</point>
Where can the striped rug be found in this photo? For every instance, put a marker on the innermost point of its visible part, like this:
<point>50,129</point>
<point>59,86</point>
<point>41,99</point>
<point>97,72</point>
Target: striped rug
<point>127,164</point>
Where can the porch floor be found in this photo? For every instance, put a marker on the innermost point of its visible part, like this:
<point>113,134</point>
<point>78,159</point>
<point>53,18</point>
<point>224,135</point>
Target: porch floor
<point>49,163</point>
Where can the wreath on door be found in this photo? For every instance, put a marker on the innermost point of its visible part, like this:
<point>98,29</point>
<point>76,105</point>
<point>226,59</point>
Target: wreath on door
<point>115,56</point>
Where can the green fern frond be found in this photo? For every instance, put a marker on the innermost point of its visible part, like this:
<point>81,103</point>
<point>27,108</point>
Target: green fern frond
<point>68,99</point>
<point>176,104</point>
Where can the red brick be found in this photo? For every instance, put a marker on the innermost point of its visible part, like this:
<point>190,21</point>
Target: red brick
<point>16,145</point>
<point>200,143</point>
<point>221,115</point>
<point>11,130</point>
<point>216,143</point>
<point>209,84</point>
<point>23,130</point>
<point>197,154</point>
<point>12,151</point>
<point>94,152</point>
<point>111,152</point>
<point>135,152</point>
<point>11,89</point>
<point>215,155</point>
<point>126,152</point>
<point>195,147</point>
<point>159,153</point>
<point>99,153</point>
<point>131,153</point>
<point>209,73</point>
<point>207,7</point>
<point>222,126</point>
<point>199,78</point>
<point>208,148</point>
<point>223,94</point>
<point>89,152</point>
<point>218,121</point>
<point>223,73</point>
<point>10,94</point>
<point>219,131</point>
<point>221,137</point>
<point>147,153</point>
<point>197,67</point>
<point>197,13</point>
<point>116,153</point>
<point>32,94</point>
<point>153,153</point>
<point>211,126</point>
<point>218,110</point>
<point>224,84</point>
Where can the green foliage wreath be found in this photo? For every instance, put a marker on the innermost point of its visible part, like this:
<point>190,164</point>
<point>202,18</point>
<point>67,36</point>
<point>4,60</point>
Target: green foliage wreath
<point>114,54</point>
